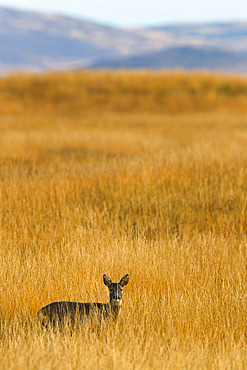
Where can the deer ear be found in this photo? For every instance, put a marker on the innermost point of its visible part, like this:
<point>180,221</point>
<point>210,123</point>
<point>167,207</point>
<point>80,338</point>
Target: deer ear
<point>124,281</point>
<point>107,280</point>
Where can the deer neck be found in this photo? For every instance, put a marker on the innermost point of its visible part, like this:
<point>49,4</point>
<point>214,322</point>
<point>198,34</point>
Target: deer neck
<point>115,308</point>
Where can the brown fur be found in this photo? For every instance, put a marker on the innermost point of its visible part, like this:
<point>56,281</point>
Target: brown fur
<point>59,313</point>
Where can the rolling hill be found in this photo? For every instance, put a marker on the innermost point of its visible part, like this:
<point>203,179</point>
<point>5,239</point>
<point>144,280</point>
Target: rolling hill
<point>37,41</point>
<point>183,57</point>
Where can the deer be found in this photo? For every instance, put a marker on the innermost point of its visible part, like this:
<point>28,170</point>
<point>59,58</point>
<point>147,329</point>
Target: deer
<point>58,313</point>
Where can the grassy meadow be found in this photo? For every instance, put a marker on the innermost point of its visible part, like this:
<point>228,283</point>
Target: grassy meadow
<point>125,172</point>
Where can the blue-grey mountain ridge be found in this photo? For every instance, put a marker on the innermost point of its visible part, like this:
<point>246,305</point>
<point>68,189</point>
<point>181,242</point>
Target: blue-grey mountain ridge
<point>42,42</point>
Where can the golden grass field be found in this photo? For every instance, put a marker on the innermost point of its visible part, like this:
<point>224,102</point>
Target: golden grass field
<point>125,172</point>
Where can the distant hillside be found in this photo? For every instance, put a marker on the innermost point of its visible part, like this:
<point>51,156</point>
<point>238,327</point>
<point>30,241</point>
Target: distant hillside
<point>183,58</point>
<point>228,36</point>
<point>46,41</point>
<point>38,41</point>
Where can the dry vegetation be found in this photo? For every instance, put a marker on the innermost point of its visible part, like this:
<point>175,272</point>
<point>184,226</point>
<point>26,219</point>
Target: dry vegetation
<point>119,173</point>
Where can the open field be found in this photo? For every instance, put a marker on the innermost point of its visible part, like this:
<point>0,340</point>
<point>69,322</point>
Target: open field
<point>120,173</point>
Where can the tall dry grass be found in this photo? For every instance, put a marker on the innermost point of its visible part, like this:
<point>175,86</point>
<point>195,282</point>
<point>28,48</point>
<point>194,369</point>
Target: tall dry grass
<point>121,173</point>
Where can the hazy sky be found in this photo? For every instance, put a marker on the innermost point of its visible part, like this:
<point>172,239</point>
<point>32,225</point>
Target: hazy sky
<point>140,12</point>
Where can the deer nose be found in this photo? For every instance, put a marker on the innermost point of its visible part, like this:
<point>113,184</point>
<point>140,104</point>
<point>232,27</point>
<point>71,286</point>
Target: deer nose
<point>116,298</point>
